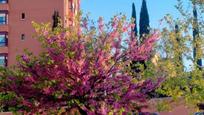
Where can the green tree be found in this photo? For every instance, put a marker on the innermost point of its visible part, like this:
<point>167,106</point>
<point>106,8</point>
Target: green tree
<point>87,71</point>
<point>134,17</point>
<point>144,20</point>
<point>196,47</point>
<point>56,19</point>
<point>181,41</point>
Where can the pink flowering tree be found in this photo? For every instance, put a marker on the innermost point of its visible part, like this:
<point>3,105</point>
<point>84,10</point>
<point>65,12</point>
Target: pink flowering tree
<point>86,69</point>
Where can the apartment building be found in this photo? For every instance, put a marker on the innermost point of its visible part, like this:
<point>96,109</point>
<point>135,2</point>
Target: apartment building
<point>16,31</point>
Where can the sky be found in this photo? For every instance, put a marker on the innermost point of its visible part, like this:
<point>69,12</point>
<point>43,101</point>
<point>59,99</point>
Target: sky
<point>108,8</point>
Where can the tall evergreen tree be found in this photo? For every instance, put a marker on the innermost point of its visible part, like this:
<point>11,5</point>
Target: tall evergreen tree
<point>135,66</point>
<point>144,20</point>
<point>178,40</point>
<point>144,29</point>
<point>196,36</point>
<point>134,17</point>
<point>56,19</point>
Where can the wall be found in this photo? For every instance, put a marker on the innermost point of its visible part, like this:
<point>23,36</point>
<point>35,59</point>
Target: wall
<point>35,10</point>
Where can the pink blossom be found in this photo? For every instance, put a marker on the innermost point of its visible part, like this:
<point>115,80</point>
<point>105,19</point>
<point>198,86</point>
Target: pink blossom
<point>89,71</point>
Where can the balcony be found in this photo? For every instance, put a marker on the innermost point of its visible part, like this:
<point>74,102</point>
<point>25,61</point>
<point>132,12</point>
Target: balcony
<point>4,6</point>
<point>4,28</point>
<point>4,50</point>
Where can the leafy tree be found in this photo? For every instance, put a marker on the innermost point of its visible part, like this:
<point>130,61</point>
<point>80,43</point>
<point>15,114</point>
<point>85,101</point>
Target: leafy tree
<point>176,42</point>
<point>86,71</point>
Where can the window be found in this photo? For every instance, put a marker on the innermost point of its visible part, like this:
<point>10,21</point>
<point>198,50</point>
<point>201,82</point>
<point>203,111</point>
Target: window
<point>3,1</point>
<point>23,16</point>
<point>3,18</point>
<point>3,39</point>
<point>3,60</point>
<point>22,36</point>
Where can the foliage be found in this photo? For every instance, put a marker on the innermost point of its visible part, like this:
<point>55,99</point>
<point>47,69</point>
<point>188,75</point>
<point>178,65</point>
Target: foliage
<point>144,20</point>
<point>176,47</point>
<point>134,16</point>
<point>86,68</point>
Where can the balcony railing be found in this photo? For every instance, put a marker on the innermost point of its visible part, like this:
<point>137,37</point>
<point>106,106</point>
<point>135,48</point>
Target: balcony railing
<point>4,27</point>
<point>4,50</point>
<point>4,6</point>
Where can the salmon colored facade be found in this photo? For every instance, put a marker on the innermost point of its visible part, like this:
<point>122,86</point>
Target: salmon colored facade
<point>16,28</point>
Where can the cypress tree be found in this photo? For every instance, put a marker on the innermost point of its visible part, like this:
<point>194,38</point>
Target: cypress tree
<point>134,17</point>
<point>144,29</point>
<point>144,20</point>
<point>135,66</point>
<point>56,19</point>
<point>179,59</point>
<point>196,36</point>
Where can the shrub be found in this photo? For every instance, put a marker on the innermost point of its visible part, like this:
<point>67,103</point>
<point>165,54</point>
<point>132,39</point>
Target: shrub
<point>86,68</point>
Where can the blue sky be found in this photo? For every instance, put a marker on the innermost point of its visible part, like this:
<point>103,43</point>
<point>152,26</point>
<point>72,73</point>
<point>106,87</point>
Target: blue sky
<point>108,8</point>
